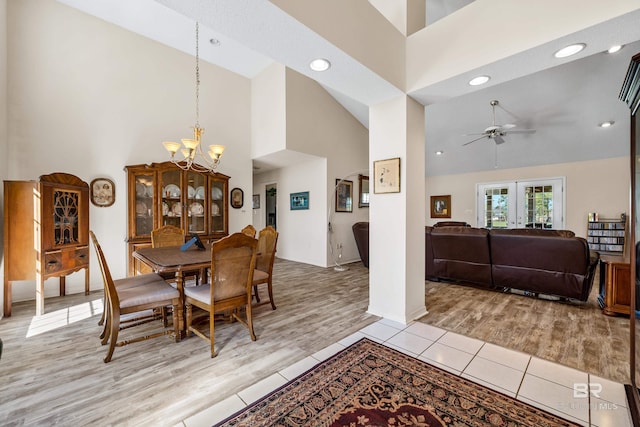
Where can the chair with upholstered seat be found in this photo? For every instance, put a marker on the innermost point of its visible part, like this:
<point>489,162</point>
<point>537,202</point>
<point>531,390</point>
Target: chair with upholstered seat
<point>249,230</point>
<point>229,290</point>
<point>267,241</point>
<point>169,235</point>
<point>137,294</point>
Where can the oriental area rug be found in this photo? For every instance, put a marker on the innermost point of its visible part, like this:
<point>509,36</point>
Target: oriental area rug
<point>368,384</point>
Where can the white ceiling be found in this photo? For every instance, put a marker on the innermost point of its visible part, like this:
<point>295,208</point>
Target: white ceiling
<point>564,103</point>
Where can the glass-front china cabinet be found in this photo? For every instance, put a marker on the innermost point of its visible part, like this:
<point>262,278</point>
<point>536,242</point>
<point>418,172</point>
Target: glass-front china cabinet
<point>163,194</point>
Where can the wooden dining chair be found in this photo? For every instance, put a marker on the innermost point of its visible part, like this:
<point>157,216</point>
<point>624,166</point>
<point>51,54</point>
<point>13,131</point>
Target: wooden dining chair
<point>267,241</point>
<point>141,294</point>
<point>249,230</point>
<point>170,235</point>
<point>229,290</point>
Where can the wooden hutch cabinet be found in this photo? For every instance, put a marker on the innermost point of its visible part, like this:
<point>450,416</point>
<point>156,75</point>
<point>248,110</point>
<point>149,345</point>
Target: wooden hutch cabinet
<point>163,194</point>
<point>46,232</point>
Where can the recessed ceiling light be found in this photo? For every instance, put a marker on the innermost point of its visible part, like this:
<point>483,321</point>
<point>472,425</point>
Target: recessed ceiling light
<point>439,153</point>
<point>614,49</point>
<point>569,50</point>
<point>480,80</point>
<point>606,124</point>
<point>320,64</point>
<point>214,42</point>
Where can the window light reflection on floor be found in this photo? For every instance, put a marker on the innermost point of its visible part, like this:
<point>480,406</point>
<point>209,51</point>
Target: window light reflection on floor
<point>66,316</point>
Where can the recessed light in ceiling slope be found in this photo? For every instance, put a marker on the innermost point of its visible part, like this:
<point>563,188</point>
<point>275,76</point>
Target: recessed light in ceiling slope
<point>570,50</point>
<point>480,80</point>
<point>320,64</point>
<point>606,124</point>
<point>614,49</point>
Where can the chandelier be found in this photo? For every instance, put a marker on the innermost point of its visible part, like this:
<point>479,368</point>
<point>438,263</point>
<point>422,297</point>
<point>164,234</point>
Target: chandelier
<point>191,148</point>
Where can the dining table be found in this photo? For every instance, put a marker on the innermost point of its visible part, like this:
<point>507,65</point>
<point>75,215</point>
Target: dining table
<point>173,259</point>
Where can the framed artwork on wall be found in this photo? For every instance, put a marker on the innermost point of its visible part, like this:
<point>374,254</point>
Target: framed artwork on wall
<point>299,201</point>
<point>103,192</point>
<point>344,195</point>
<point>363,191</point>
<point>441,206</point>
<point>237,198</point>
<point>386,175</point>
<point>256,201</point>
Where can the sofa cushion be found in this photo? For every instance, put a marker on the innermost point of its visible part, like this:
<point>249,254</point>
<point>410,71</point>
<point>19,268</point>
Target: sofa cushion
<point>462,254</point>
<point>542,262</point>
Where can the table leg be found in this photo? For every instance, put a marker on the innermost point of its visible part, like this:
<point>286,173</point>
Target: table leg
<point>182,324</point>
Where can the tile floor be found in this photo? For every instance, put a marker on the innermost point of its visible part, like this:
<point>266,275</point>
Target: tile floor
<point>535,381</point>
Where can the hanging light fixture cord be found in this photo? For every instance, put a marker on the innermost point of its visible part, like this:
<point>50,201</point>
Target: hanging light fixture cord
<point>192,147</point>
<point>197,75</point>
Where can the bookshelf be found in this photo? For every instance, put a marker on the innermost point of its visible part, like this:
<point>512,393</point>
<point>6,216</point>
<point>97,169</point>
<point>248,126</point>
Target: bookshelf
<point>608,235</point>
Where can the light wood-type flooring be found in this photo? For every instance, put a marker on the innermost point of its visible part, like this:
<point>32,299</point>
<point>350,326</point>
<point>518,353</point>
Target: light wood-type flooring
<point>51,371</point>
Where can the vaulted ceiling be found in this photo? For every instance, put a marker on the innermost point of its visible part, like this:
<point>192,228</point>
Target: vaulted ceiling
<point>564,100</point>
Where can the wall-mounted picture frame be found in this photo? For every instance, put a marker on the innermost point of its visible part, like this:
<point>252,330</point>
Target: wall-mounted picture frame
<point>237,198</point>
<point>256,201</point>
<point>344,195</point>
<point>299,201</point>
<point>103,192</point>
<point>441,206</point>
<point>363,191</point>
<point>386,176</point>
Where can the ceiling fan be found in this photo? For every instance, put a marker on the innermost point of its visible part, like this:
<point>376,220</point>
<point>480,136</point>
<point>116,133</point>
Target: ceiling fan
<point>496,132</point>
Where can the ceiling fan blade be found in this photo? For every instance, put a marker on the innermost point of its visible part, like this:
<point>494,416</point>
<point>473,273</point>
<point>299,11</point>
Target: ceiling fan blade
<point>499,139</point>
<point>474,140</point>
<point>522,131</point>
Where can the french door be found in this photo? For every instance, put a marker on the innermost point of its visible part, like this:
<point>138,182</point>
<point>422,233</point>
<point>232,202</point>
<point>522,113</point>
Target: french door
<point>521,204</point>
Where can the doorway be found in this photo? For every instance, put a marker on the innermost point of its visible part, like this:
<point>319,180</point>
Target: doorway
<point>271,204</point>
<point>522,204</point>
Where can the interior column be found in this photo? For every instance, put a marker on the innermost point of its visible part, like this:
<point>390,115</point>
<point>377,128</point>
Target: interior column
<point>396,220</point>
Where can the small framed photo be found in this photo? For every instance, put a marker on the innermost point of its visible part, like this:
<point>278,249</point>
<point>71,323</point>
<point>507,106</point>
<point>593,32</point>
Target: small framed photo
<point>237,198</point>
<point>256,201</point>
<point>441,206</point>
<point>299,201</point>
<point>103,192</point>
<point>344,195</point>
<point>386,176</point>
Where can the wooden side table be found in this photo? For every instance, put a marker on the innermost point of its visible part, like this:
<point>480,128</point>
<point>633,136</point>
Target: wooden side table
<point>615,284</point>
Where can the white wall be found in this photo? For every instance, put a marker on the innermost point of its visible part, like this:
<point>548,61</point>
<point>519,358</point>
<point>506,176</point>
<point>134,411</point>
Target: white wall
<point>89,105</point>
<point>302,235</point>
<point>320,126</point>
<point>268,111</point>
<point>601,186</point>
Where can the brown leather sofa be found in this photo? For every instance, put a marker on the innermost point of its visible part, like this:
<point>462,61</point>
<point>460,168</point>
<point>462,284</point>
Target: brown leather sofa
<point>549,262</point>
<point>462,254</point>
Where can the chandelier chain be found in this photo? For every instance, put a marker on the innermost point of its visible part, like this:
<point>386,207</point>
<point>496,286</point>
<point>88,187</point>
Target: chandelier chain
<point>197,75</point>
